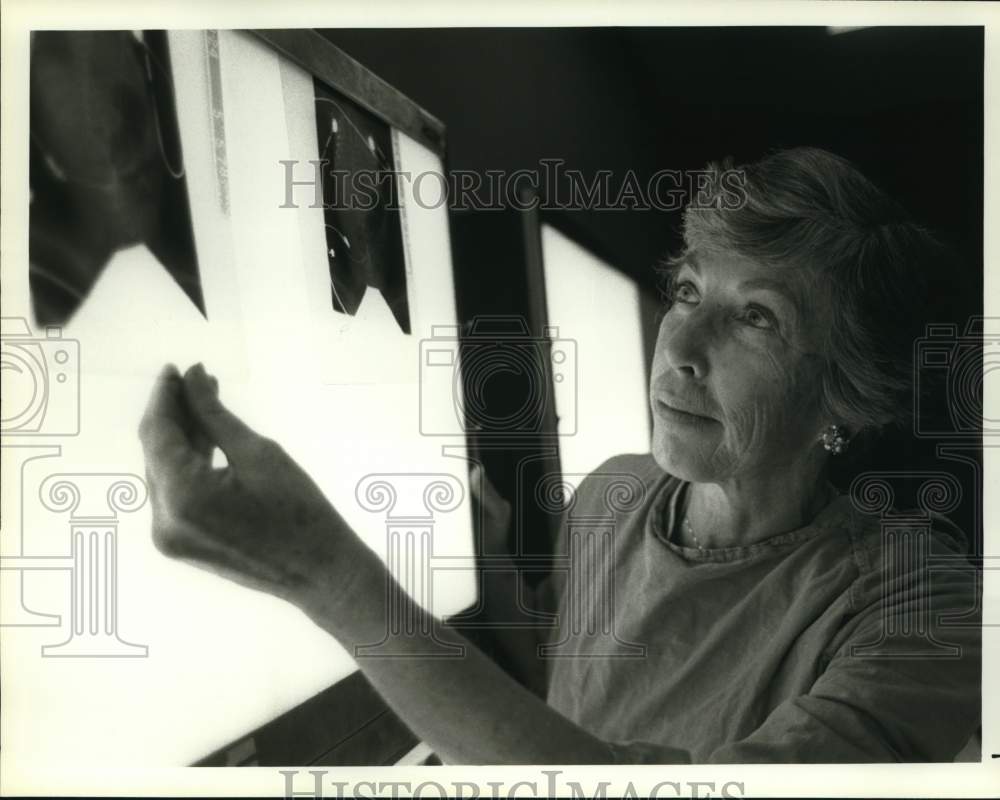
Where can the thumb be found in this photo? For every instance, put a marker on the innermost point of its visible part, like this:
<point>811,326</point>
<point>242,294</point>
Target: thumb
<point>218,425</point>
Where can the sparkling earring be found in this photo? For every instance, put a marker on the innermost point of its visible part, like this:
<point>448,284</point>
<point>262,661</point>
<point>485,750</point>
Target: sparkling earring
<point>834,439</point>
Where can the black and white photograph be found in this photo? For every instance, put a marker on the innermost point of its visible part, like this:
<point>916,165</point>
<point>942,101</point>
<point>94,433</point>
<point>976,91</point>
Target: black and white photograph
<point>451,402</point>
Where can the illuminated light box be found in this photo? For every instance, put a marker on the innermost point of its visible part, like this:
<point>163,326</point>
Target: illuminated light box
<point>161,663</point>
<point>605,411</point>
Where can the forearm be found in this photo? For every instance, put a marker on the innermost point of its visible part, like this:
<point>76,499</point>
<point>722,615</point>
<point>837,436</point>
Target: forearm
<point>466,707</point>
<point>511,623</point>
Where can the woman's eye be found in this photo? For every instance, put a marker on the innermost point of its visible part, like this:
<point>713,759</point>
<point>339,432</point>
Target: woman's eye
<point>758,318</point>
<point>684,292</point>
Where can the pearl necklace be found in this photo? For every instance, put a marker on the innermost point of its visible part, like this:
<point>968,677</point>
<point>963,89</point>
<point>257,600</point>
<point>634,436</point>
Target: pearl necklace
<point>692,534</point>
<point>700,546</point>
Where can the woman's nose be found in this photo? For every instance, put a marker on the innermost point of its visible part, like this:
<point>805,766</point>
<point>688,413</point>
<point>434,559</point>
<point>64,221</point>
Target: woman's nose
<point>685,341</point>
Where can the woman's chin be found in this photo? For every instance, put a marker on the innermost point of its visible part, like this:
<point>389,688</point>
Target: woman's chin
<point>673,457</point>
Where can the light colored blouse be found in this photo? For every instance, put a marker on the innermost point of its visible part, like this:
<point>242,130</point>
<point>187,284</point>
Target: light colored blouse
<point>847,640</point>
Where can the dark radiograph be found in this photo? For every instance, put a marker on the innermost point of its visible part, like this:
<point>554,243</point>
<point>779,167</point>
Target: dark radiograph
<point>361,213</point>
<point>106,167</point>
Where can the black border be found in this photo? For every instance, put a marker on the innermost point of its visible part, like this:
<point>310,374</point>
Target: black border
<point>325,61</point>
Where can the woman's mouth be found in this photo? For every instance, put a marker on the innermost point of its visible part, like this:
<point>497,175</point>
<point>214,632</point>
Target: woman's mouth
<point>672,413</point>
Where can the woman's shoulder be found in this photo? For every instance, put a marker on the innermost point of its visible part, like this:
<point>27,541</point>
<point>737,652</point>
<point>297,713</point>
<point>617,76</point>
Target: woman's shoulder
<point>886,533</point>
<point>638,469</point>
<point>622,483</point>
<point>904,553</point>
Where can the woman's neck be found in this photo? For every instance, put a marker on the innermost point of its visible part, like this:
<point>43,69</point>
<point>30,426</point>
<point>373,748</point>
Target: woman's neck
<point>742,511</point>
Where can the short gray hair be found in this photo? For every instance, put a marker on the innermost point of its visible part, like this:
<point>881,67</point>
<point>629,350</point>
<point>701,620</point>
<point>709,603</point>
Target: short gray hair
<point>806,207</point>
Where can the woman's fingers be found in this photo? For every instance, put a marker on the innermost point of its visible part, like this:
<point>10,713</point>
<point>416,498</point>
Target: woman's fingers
<point>200,439</point>
<point>217,426</point>
<point>163,430</point>
<point>174,466</point>
<point>262,523</point>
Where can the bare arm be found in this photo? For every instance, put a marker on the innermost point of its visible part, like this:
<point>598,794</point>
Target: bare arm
<point>263,523</point>
<point>466,707</point>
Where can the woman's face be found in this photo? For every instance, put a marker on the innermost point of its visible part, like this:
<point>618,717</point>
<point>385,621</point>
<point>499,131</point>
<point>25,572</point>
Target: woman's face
<point>736,372</point>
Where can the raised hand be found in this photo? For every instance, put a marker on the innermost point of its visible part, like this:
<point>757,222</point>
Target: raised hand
<point>260,521</point>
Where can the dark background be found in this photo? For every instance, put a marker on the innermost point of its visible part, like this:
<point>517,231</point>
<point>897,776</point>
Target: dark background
<point>904,104</point>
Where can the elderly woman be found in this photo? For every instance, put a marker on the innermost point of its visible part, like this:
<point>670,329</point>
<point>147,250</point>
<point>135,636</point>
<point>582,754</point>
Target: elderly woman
<point>772,624</point>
